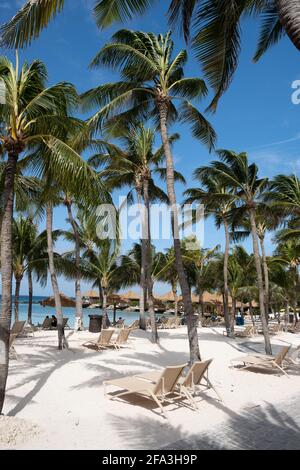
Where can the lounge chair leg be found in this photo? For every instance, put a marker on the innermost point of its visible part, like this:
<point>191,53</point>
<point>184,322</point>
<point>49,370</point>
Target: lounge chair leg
<point>190,398</point>
<point>211,386</point>
<point>159,404</point>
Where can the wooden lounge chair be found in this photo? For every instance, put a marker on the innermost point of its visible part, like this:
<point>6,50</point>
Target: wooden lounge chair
<point>170,323</point>
<point>17,328</point>
<point>121,339</point>
<point>294,328</point>
<point>46,325</point>
<point>275,329</point>
<point>102,342</point>
<point>157,390</point>
<point>247,332</point>
<point>11,348</point>
<point>206,322</point>
<point>264,361</point>
<point>194,378</point>
<point>134,325</point>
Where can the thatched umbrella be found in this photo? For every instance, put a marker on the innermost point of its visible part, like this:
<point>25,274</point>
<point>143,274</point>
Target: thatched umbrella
<point>130,295</point>
<point>65,301</point>
<point>114,299</point>
<point>91,294</point>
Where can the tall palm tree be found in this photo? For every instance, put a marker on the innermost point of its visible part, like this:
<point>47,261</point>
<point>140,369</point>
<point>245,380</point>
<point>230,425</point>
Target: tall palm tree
<point>218,199</point>
<point>153,81</point>
<point>167,273</point>
<point>287,254</point>
<point>133,165</point>
<point>102,266</point>
<point>216,25</point>
<point>29,255</point>
<point>242,177</point>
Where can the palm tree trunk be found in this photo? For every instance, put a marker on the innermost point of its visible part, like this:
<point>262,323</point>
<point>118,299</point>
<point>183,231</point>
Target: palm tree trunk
<point>289,15</point>
<point>62,341</point>
<point>266,276</point>
<point>228,323</point>
<point>30,296</point>
<point>232,319</point>
<point>17,296</point>
<point>149,281</point>
<point>286,315</point>
<point>260,284</point>
<point>78,298</point>
<point>186,295</point>
<point>143,287</point>
<point>201,305</point>
<point>251,312</point>
<point>105,321</point>
<point>174,290</point>
<point>6,270</point>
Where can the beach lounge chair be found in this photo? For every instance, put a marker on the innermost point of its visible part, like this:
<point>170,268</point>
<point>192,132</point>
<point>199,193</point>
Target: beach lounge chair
<point>275,329</point>
<point>46,325</point>
<point>17,328</point>
<point>170,323</point>
<point>157,390</point>
<point>275,363</point>
<point>177,322</point>
<point>294,328</point>
<point>206,322</point>
<point>102,342</point>
<point>134,325</point>
<point>247,332</point>
<point>11,348</point>
<point>121,339</point>
<point>194,379</point>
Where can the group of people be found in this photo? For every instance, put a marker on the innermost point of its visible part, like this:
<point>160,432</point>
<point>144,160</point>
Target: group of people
<point>53,321</point>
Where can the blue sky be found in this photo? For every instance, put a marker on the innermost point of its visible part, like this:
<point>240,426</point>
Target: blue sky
<point>256,114</point>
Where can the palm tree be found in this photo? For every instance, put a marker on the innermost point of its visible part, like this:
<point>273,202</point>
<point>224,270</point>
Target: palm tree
<point>102,266</point>
<point>216,24</point>
<point>134,165</point>
<point>287,254</point>
<point>236,172</point>
<point>218,199</point>
<point>152,83</point>
<point>167,273</point>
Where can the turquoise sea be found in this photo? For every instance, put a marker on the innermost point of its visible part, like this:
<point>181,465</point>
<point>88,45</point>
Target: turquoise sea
<point>39,312</point>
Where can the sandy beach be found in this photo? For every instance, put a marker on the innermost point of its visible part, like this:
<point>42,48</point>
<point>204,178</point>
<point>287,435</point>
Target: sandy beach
<point>59,397</point>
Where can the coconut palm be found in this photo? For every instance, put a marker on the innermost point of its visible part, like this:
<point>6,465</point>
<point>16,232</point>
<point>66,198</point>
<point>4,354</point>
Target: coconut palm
<point>218,199</point>
<point>167,273</point>
<point>102,266</point>
<point>153,81</point>
<point>242,177</point>
<point>133,165</point>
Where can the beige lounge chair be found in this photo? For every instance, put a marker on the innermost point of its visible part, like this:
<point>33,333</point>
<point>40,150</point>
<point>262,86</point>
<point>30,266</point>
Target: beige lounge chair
<point>206,322</point>
<point>102,342</point>
<point>170,323</point>
<point>264,361</point>
<point>158,390</point>
<point>134,325</point>
<point>294,328</point>
<point>121,339</point>
<point>275,329</point>
<point>197,373</point>
<point>46,325</point>
<point>11,348</point>
<point>247,332</point>
<point>17,328</point>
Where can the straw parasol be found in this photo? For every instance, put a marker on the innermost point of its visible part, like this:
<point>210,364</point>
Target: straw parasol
<point>65,301</point>
<point>130,295</point>
<point>168,297</point>
<point>91,294</point>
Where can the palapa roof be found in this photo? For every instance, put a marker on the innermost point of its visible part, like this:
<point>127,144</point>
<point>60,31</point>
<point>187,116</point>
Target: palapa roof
<point>92,294</point>
<point>65,301</point>
<point>130,295</point>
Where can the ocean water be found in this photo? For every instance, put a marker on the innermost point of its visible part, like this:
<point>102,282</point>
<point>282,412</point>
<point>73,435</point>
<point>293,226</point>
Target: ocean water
<point>39,312</point>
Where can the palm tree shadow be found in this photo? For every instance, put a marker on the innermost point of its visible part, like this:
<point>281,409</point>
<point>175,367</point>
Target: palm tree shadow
<point>265,428</point>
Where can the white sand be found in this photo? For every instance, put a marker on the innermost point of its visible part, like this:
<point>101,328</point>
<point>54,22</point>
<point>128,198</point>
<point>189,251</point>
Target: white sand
<point>62,392</point>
